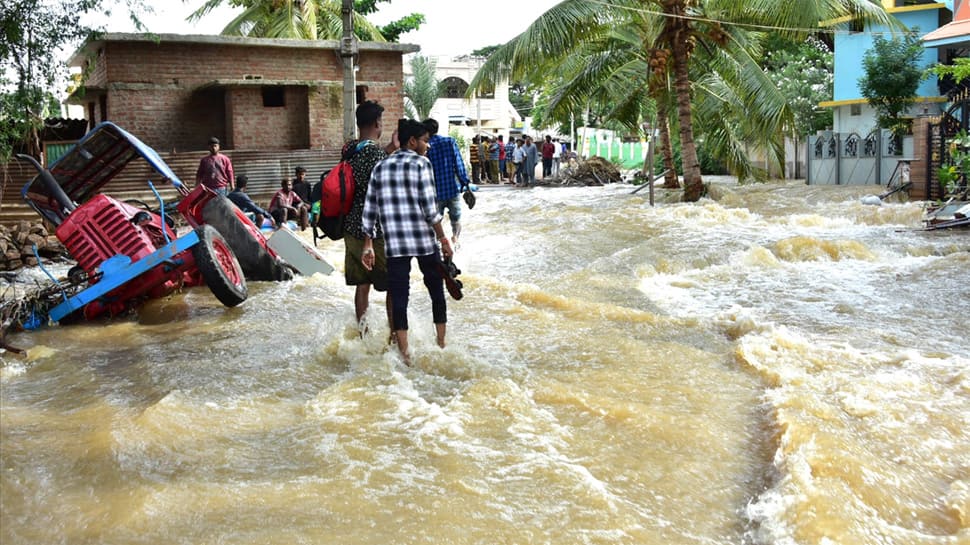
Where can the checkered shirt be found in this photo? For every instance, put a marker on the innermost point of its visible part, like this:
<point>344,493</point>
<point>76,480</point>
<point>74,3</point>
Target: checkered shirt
<point>401,198</point>
<point>449,167</point>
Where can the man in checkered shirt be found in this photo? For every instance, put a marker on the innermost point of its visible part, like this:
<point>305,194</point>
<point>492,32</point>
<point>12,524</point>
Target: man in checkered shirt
<point>401,199</point>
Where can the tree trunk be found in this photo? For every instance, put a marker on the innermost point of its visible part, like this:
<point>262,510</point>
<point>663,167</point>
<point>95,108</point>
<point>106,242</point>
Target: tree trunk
<point>666,149</point>
<point>693,185</point>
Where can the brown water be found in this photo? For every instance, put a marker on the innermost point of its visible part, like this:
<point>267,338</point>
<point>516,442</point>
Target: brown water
<point>779,365</point>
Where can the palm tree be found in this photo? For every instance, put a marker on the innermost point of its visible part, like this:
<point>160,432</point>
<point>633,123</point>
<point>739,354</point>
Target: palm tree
<point>667,34</point>
<point>293,19</point>
<point>421,90</point>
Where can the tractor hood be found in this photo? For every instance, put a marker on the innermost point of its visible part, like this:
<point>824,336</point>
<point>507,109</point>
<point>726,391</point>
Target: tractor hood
<point>81,173</point>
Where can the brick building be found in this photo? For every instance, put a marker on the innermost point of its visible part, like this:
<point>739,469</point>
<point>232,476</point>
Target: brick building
<point>175,91</point>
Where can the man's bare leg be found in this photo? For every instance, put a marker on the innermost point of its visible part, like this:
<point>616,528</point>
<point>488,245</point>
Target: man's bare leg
<point>440,330</point>
<point>401,335</point>
<point>390,319</point>
<point>455,231</point>
<point>361,300</point>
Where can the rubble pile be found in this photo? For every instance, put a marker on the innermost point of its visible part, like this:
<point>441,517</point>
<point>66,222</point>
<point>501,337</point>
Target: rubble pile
<point>17,245</point>
<point>593,171</point>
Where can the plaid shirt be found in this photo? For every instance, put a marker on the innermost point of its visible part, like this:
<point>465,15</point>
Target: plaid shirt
<point>401,199</point>
<point>448,166</point>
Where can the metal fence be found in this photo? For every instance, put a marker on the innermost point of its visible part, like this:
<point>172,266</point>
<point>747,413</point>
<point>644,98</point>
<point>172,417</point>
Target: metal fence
<point>853,159</point>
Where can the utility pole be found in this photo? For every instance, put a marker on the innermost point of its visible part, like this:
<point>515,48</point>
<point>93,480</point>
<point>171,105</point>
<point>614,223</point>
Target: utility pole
<point>348,50</point>
<point>572,133</point>
<point>478,99</point>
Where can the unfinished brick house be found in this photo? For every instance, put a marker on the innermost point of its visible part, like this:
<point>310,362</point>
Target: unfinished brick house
<point>175,91</point>
<point>273,104</point>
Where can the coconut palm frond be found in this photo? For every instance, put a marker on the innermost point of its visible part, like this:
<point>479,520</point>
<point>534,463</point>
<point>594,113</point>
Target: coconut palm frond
<point>421,89</point>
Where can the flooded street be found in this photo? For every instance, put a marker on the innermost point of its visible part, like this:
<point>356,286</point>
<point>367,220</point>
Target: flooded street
<point>778,364</point>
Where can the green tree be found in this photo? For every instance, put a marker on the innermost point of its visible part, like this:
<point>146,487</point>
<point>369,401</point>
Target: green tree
<point>891,76</point>
<point>393,30</point>
<point>486,51</point>
<point>668,33</point>
<point>306,19</point>
<point>959,70</point>
<point>421,89</point>
<point>31,74</point>
<point>522,98</point>
<point>804,74</point>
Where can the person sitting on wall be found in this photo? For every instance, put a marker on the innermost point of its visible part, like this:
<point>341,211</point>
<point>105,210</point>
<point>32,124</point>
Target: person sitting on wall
<point>239,197</point>
<point>287,205</point>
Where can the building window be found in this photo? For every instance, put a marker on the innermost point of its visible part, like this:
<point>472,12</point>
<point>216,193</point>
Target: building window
<point>855,109</point>
<point>452,87</point>
<point>274,97</point>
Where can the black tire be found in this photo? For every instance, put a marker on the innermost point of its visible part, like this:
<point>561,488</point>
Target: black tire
<point>77,275</point>
<point>219,267</point>
<point>245,239</point>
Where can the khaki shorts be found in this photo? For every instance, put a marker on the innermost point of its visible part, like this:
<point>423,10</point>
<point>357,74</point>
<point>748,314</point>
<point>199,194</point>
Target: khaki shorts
<point>354,270</point>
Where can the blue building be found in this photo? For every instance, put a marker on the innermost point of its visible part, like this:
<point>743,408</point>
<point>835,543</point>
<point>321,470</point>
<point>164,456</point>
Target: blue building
<point>852,113</point>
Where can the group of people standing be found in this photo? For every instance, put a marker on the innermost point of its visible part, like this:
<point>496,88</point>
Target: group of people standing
<point>515,162</point>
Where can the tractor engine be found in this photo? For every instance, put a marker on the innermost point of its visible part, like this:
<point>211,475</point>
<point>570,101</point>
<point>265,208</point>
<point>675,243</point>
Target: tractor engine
<point>104,227</point>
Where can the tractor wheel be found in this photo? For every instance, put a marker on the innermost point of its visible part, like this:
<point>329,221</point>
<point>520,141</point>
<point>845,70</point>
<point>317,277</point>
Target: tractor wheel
<point>245,239</point>
<point>219,267</point>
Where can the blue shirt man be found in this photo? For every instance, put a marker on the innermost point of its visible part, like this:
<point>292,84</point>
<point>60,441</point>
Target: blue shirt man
<point>449,175</point>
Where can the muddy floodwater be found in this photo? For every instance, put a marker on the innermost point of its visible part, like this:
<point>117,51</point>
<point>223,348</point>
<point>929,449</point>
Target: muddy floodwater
<point>778,364</point>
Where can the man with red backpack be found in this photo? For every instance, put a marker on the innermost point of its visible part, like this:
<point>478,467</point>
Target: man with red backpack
<point>367,153</point>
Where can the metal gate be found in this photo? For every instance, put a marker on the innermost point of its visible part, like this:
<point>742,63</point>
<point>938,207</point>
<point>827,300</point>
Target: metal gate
<point>951,123</point>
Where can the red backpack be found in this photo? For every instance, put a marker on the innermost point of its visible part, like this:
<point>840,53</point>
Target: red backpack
<point>337,195</point>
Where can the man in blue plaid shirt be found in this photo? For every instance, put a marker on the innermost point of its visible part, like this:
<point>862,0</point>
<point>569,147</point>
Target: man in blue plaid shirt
<point>401,198</point>
<point>450,178</point>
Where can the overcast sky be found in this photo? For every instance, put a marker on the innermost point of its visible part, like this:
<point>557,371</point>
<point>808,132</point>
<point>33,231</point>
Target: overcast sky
<point>453,27</point>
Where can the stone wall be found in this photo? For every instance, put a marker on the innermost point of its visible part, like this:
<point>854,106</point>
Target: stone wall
<point>17,245</point>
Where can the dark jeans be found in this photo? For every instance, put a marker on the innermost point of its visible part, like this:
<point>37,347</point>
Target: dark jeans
<point>476,173</point>
<point>546,167</point>
<point>399,287</point>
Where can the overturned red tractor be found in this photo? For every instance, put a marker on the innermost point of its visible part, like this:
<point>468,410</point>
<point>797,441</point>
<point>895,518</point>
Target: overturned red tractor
<point>125,253</point>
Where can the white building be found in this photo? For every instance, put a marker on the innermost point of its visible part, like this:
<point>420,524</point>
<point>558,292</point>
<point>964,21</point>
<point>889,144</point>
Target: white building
<point>489,113</point>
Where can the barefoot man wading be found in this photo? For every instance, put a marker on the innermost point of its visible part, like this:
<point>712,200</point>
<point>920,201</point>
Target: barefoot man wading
<point>401,198</point>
